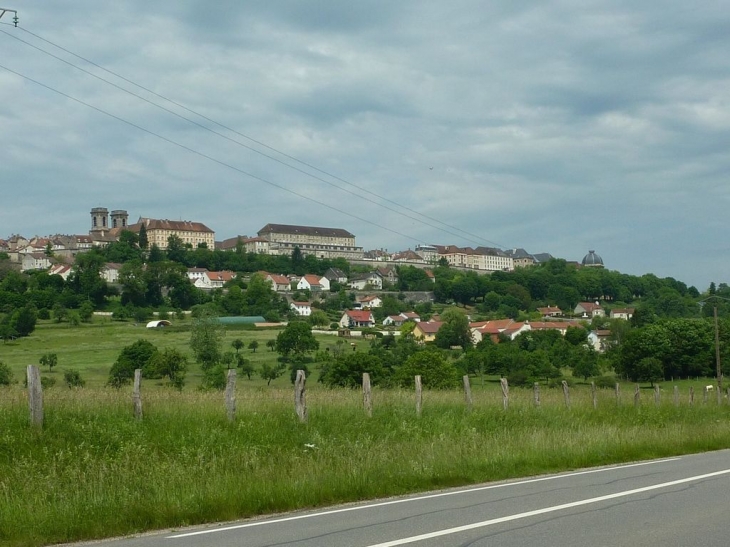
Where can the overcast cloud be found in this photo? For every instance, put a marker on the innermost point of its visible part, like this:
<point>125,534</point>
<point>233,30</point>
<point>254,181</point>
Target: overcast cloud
<point>561,127</point>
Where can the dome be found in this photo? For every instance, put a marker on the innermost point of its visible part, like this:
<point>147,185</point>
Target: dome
<point>592,259</point>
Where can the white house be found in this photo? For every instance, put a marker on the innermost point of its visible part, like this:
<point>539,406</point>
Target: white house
<point>313,283</point>
<point>34,261</point>
<point>357,318</point>
<point>622,313</point>
<point>370,280</point>
<point>110,272</point>
<point>369,302</point>
<point>301,308</point>
<point>589,310</point>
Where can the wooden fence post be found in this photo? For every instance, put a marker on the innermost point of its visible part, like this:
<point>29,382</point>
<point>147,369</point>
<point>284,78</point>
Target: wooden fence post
<point>35,395</point>
<point>594,395</point>
<point>691,395</point>
<point>137,394</point>
<point>637,395</point>
<point>300,402</point>
<point>618,394</point>
<point>419,394</point>
<point>367,397</point>
<point>467,392</point>
<point>566,393</point>
<point>657,395</point>
<point>676,395</point>
<point>536,393</point>
<point>505,392</point>
<point>719,396</point>
<point>231,394</point>
<point>705,393</point>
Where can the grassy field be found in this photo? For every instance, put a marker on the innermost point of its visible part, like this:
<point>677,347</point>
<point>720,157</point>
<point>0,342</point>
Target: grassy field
<point>93,348</point>
<point>94,471</point>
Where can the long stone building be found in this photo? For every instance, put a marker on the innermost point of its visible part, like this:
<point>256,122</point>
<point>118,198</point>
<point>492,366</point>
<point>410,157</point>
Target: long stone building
<point>311,240</point>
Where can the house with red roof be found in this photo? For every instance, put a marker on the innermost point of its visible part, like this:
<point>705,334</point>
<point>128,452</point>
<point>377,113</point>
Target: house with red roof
<point>314,283</point>
<point>279,283</point>
<point>589,310</point>
<point>426,331</point>
<point>357,318</point>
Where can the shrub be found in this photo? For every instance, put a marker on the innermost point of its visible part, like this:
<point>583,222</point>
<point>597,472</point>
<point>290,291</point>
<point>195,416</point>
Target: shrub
<point>558,382</point>
<point>72,377</point>
<point>44,313</point>
<point>605,382</point>
<point>47,381</point>
<point>520,378</point>
<point>6,375</point>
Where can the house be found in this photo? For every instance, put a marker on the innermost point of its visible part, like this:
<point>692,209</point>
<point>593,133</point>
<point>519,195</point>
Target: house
<point>622,313</point>
<point>388,274</point>
<point>335,274</point>
<point>398,320</point>
<point>301,308</point>
<point>197,275</point>
<point>64,270</point>
<point>394,320</point>
<point>279,283</point>
<point>560,326</point>
<point>357,318</point>
<point>376,254</point>
<point>216,280</point>
<point>491,329</point>
<point>550,311</point>
<point>600,340</point>
<point>313,283</point>
<point>110,272</point>
<point>369,302</point>
<point>589,310</point>
<point>426,331</point>
<point>195,234</point>
<point>408,256</point>
<point>34,261</point>
<point>364,281</point>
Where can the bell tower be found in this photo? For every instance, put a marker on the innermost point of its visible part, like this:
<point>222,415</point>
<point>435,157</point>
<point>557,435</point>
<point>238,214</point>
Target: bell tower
<point>99,219</point>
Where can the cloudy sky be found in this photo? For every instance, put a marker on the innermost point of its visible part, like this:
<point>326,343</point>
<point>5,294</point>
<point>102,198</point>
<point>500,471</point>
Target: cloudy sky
<point>559,126</point>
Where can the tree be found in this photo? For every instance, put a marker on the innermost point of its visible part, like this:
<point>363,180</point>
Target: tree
<point>455,330</point>
<point>135,356</point>
<point>175,249</point>
<point>143,239</point>
<point>172,364</point>
<point>435,371</point>
<point>252,345</point>
<point>205,336</point>
<point>244,365</point>
<point>296,339</point>
<point>23,321</point>
<point>49,360</point>
<point>269,372</point>
<point>347,370</point>
<point>271,344</point>
<point>649,369</point>
<point>237,344</point>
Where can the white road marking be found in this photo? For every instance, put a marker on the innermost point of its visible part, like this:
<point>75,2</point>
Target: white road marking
<point>412,499</point>
<point>552,509</point>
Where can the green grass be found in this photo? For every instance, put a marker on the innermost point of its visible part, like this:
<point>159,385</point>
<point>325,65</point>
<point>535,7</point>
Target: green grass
<point>93,471</point>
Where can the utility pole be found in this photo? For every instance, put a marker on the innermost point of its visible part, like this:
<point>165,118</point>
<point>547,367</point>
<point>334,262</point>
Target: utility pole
<point>3,11</point>
<point>717,351</point>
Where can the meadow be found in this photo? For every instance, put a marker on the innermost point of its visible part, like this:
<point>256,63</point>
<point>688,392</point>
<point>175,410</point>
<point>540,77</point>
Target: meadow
<point>93,471</point>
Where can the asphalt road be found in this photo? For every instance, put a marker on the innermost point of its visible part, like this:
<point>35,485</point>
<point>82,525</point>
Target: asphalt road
<point>673,502</point>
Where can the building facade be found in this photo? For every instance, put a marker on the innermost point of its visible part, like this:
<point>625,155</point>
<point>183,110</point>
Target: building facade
<point>311,240</point>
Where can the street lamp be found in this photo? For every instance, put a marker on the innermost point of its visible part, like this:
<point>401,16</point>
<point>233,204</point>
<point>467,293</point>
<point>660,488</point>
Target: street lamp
<point>717,338</point>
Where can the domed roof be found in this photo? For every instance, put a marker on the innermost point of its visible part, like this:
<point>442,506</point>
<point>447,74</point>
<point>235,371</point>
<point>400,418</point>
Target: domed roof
<point>592,259</point>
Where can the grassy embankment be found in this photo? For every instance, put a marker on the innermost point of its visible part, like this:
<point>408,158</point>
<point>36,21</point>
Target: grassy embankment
<point>93,471</point>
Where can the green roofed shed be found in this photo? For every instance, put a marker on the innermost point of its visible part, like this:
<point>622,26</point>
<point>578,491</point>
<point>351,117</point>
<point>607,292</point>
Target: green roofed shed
<point>242,320</point>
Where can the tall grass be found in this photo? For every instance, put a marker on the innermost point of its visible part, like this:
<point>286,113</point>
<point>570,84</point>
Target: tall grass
<point>93,471</point>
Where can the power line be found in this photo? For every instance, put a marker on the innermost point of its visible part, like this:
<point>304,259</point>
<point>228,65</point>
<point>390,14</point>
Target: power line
<point>208,157</point>
<point>308,165</point>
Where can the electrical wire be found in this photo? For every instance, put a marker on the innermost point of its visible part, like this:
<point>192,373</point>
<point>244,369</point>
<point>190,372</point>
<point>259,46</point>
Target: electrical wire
<point>209,157</point>
<point>450,227</point>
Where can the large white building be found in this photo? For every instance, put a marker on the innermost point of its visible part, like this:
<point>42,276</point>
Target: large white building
<point>311,240</point>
